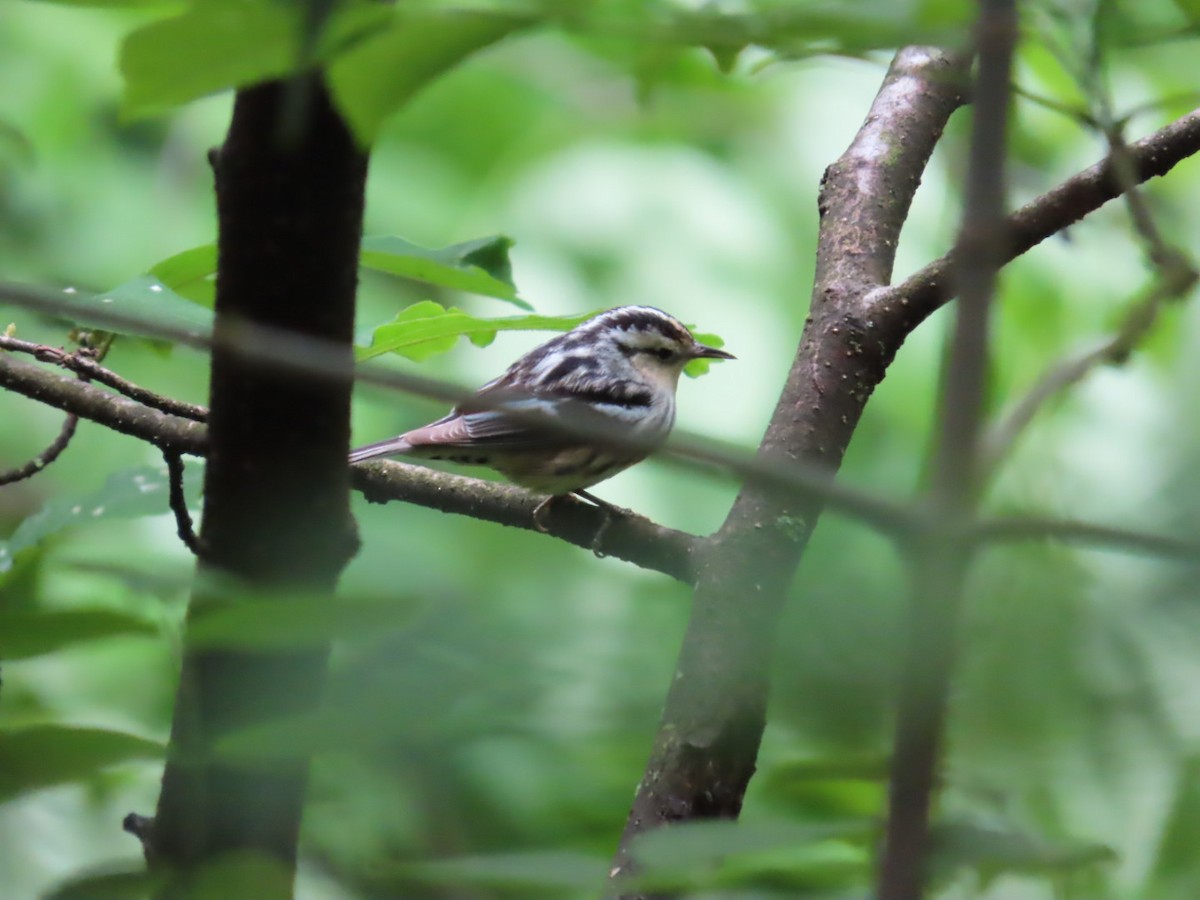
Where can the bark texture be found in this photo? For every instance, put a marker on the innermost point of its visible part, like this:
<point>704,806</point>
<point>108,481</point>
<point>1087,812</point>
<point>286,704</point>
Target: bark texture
<point>290,184</point>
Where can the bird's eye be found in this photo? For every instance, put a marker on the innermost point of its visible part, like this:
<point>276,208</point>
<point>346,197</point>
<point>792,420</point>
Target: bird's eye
<point>664,353</point>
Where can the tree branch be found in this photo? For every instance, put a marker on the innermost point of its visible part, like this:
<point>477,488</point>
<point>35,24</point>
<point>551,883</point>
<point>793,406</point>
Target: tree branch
<point>926,290</point>
<point>163,430</point>
<point>707,743</point>
<point>91,370</point>
<point>1138,320</point>
<point>633,539</point>
<point>177,501</point>
<point>48,455</point>
<point>1013,529</point>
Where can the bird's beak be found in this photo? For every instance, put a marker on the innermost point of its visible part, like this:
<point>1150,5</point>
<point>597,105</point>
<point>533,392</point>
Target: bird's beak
<point>702,352</point>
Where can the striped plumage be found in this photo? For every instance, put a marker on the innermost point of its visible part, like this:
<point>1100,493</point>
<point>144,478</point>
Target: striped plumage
<point>618,370</point>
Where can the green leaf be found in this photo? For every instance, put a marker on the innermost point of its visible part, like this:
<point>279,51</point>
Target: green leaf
<point>192,274</point>
<point>127,494</point>
<point>1177,867</point>
<point>834,788</point>
<point>149,299</point>
<point>240,874</point>
<point>418,46</point>
<point>427,328</point>
<point>726,57</point>
<point>698,367</point>
<point>560,871</point>
<point>33,633</point>
<point>478,267</point>
<point>212,45</point>
<point>45,755</point>
<point>218,44</point>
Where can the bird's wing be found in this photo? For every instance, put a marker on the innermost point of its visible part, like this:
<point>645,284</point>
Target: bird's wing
<point>514,427</point>
<point>509,429</point>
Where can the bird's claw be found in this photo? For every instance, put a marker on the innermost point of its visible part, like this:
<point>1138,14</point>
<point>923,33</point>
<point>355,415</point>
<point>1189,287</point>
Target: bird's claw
<point>598,538</point>
<point>539,512</point>
<point>610,511</point>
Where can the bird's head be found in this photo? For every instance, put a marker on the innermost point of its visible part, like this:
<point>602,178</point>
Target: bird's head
<point>656,344</point>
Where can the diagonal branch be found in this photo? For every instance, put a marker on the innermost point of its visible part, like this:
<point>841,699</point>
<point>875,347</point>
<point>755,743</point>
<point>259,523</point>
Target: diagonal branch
<point>163,430</point>
<point>926,290</point>
<point>1067,372</point>
<point>707,745</point>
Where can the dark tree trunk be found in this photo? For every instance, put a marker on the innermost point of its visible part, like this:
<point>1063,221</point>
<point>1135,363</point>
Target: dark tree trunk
<point>290,184</point>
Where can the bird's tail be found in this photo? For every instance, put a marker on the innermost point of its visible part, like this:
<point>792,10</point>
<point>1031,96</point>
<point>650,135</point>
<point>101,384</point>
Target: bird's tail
<point>391,447</point>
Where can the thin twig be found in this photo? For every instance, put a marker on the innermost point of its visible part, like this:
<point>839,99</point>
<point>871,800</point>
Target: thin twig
<point>1066,373</point>
<point>928,289</point>
<point>1014,529</point>
<point>1176,274</point>
<point>56,446</point>
<point>91,368</point>
<point>47,456</point>
<point>1176,271</point>
<point>178,502</point>
<point>109,409</point>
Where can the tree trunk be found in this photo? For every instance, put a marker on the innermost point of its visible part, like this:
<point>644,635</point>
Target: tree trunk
<point>290,183</point>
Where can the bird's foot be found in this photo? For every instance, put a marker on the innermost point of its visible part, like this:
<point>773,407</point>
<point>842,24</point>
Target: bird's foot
<point>611,511</point>
<point>610,508</point>
<point>539,512</point>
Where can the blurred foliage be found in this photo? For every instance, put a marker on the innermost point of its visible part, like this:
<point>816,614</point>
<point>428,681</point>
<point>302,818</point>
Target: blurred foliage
<point>495,693</point>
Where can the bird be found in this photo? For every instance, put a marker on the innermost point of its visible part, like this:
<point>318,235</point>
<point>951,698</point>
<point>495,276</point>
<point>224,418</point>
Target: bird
<point>615,373</point>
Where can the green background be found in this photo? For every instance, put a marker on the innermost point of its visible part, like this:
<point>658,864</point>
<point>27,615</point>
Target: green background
<point>492,714</point>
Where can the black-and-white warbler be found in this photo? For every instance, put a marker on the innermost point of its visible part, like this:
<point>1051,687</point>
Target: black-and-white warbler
<point>614,374</point>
